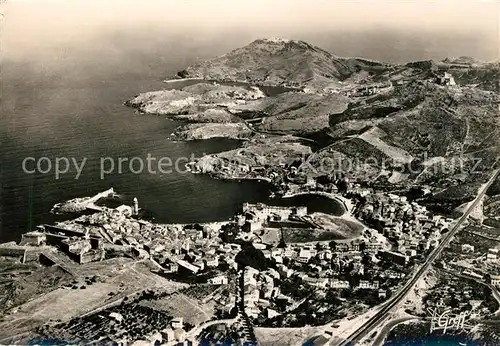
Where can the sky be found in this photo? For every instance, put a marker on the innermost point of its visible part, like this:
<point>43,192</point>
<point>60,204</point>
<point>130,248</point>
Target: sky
<point>30,25</point>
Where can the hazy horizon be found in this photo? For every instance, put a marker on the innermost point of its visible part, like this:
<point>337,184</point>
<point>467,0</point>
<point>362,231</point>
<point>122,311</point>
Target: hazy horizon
<point>375,29</point>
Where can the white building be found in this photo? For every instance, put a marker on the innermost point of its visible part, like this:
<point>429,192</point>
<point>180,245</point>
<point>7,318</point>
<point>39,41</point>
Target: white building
<point>447,79</point>
<point>495,280</point>
<point>192,268</point>
<point>263,211</point>
<point>289,252</point>
<point>259,246</point>
<point>212,261</point>
<point>491,257</point>
<point>339,284</point>
<point>116,316</point>
<point>363,284</point>
<point>466,248</point>
<point>305,255</point>
<point>317,282</point>
<point>168,335</point>
<point>177,322</point>
<point>218,280</point>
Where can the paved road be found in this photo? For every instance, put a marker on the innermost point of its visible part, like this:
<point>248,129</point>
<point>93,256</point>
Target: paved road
<point>376,319</point>
<point>494,290</point>
<point>379,341</point>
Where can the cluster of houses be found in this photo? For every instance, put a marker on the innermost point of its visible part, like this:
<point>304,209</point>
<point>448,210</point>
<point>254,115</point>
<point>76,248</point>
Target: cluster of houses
<point>173,334</point>
<point>477,264</point>
<point>457,295</point>
<point>262,288</point>
<point>258,289</point>
<point>409,226</point>
<point>361,91</point>
<point>401,230</point>
<point>371,89</point>
<point>196,259</point>
<point>172,247</point>
<point>191,249</point>
<point>323,265</point>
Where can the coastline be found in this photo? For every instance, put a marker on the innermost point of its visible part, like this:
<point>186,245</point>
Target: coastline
<point>245,82</point>
<point>346,203</point>
<point>259,179</point>
<point>227,178</point>
<point>388,327</point>
<point>318,254</point>
<point>168,81</point>
<point>212,225</point>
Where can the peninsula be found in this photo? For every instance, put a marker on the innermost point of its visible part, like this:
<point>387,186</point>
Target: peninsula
<point>407,154</point>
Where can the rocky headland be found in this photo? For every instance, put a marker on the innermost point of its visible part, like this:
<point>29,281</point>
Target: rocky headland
<point>397,127</point>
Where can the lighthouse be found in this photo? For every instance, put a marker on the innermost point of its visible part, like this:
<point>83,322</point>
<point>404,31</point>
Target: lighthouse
<point>136,206</point>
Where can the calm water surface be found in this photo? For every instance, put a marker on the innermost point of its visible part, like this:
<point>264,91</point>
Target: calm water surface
<point>73,107</point>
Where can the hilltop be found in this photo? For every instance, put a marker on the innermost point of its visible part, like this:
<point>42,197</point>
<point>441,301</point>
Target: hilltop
<point>397,127</point>
<point>279,62</point>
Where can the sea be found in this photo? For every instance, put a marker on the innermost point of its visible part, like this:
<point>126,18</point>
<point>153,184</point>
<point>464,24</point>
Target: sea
<point>66,105</point>
<point>72,108</point>
<point>441,340</point>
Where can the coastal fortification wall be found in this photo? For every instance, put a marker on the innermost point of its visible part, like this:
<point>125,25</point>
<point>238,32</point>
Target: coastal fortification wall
<point>66,232</point>
<point>13,251</point>
<point>262,210</point>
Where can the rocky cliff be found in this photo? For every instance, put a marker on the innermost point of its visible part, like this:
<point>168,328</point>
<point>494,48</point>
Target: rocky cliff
<point>391,126</point>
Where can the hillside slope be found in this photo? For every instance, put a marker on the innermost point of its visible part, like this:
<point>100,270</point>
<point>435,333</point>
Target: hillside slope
<point>424,123</point>
<point>279,62</point>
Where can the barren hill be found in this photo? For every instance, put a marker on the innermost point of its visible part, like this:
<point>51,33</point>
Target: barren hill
<point>432,123</point>
<point>279,62</point>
